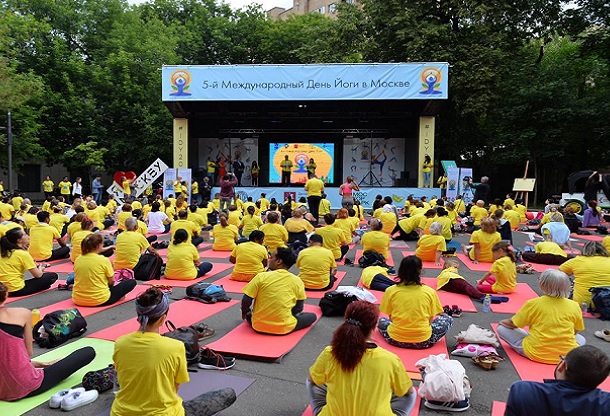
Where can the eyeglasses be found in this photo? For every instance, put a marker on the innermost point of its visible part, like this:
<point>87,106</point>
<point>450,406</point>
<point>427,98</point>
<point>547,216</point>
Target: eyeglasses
<point>562,358</point>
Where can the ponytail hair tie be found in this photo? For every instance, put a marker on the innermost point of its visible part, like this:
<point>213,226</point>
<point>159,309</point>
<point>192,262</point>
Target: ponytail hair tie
<point>353,322</point>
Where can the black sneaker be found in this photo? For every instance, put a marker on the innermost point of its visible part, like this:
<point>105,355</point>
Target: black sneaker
<point>211,360</point>
<point>448,406</point>
<point>348,262</point>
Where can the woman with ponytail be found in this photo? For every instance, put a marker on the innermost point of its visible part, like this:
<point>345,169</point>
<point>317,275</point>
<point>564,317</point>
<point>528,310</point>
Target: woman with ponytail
<point>165,369</point>
<point>15,260</point>
<point>354,376</point>
<point>225,234</point>
<point>183,259</point>
<point>250,222</point>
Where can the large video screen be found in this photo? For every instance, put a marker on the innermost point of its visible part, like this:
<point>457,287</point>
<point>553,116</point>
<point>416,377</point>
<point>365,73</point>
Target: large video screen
<point>300,154</point>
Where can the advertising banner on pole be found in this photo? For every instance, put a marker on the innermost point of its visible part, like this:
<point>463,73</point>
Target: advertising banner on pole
<point>465,189</point>
<point>453,182</point>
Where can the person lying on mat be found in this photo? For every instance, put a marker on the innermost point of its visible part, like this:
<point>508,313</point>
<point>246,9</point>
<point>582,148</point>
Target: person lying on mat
<point>553,322</point>
<point>482,241</point>
<point>590,269</point>
<point>334,238</point>
<point>42,238</point>
<point>183,261</point>
<point>275,233</point>
<point>278,297</point>
<point>450,280</point>
<point>182,223</point>
<point>225,234</point>
<point>317,266</point>
<point>376,240</point>
<point>165,368</point>
<point>130,245</point>
<point>249,258</point>
<point>573,392</point>
<point>94,276</point>
<point>15,260</point>
<point>20,376</point>
<point>416,319</point>
<point>546,252</point>
<point>502,277</point>
<point>354,376</point>
<point>430,247</point>
<point>376,278</point>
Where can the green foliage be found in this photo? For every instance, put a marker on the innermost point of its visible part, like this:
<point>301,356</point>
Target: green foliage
<point>85,155</point>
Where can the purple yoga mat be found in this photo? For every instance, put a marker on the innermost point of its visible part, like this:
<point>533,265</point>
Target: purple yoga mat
<point>206,380</point>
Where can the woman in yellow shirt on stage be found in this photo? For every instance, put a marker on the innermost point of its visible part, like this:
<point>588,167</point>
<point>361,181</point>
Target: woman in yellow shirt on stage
<point>249,258</point>
<point>183,259</point>
<point>225,235</point>
<point>48,186</point>
<point>94,276</point>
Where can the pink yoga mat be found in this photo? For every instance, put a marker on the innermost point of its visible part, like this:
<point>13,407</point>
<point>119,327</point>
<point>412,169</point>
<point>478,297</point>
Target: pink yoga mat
<point>53,286</point>
<point>88,310</point>
<point>211,254</point>
<point>523,293</point>
<point>181,313</point>
<point>498,408</point>
<point>481,267</point>
<point>244,342</point>
<point>218,268</point>
<point>541,267</point>
<point>67,267</point>
<point>427,264</point>
<point>591,237</point>
<point>389,260</point>
<point>410,356</point>
<point>533,371</point>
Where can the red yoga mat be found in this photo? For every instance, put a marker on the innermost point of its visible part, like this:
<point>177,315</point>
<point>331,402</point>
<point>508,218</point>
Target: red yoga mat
<point>218,268</point>
<point>389,260</point>
<point>53,286</point>
<point>498,408</point>
<point>67,267</point>
<point>533,371</point>
<point>542,267</point>
<point>522,293</point>
<point>591,237</point>
<point>481,267</point>
<point>211,254</point>
<point>88,310</point>
<point>244,342</point>
<point>427,264</point>
<point>181,313</point>
<point>410,356</point>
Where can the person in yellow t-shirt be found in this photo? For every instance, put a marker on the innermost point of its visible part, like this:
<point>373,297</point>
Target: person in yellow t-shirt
<point>359,210</point>
<point>216,202</point>
<point>334,238</point>
<point>183,259</point>
<point>546,252</point>
<point>123,215</point>
<point>512,216</point>
<point>6,210</point>
<point>376,278</point>
<point>314,188</point>
<point>65,188</point>
<point>42,238</point>
<point>111,204</point>
<point>31,217</point>
<point>17,200</point>
<point>94,276</point>
<point>317,266</point>
<point>451,213</point>
<point>278,297</point>
<point>250,258</point>
<point>410,228</point>
<point>86,227</point>
<point>427,171</point>
<point>286,166</point>
<point>415,315</point>
<point>502,278</point>
<point>450,280</point>
<point>482,242</point>
<point>250,222</point>
<point>234,217</point>
<point>166,367</point>
<point>225,235</point>
<point>182,223</point>
<point>48,186</point>
<point>430,247</point>
<point>264,202</point>
<point>324,207</point>
<point>15,260</point>
<point>590,269</point>
<point>606,242</point>
<point>353,376</point>
<point>376,240</point>
<point>194,215</point>
<point>478,212</point>
<point>388,222</point>
<point>59,221</point>
<point>445,221</point>
<point>275,234</point>
<point>130,244</point>
<point>553,320</point>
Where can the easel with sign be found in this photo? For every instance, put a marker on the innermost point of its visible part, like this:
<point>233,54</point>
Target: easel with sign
<point>523,186</point>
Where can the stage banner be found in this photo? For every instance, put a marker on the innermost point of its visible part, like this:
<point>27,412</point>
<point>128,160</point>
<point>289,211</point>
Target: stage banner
<point>366,196</point>
<point>426,146</point>
<point>227,150</point>
<point>373,161</point>
<point>453,179</point>
<point>186,176</point>
<point>181,143</point>
<point>388,81</point>
<point>465,190</point>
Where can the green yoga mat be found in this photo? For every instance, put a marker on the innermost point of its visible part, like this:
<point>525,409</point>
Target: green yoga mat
<point>103,357</point>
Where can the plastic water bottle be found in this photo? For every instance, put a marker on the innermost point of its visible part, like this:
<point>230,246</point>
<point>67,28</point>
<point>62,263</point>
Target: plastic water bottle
<point>487,304</point>
<point>35,316</point>
<point>583,307</point>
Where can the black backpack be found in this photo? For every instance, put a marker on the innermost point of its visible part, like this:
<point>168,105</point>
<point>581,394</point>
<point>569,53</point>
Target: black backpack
<point>335,303</point>
<point>189,337</point>
<point>59,327</point>
<point>148,267</point>
<point>371,258</point>
<point>601,301</point>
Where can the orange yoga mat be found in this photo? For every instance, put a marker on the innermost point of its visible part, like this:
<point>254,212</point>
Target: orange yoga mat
<point>516,299</point>
<point>533,371</point>
<point>88,310</point>
<point>216,270</point>
<point>389,260</point>
<point>481,267</point>
<point>67,267</point>
<point>591,237</point>
<point>181,313</point>
<point>53,286</point>
<point>211,254</point>
<point>498,408</point>
<point>427,264</point>
<point>244,342</point>
<point>410,356</point>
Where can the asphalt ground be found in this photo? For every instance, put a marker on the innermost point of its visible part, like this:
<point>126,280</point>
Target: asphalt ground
<point>279,388</point>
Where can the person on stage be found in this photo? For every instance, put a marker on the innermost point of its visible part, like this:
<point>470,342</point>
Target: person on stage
<point>311,168</point>
<point>286,166</point>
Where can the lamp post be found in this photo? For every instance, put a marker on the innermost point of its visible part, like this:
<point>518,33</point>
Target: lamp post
<point>10,153</point>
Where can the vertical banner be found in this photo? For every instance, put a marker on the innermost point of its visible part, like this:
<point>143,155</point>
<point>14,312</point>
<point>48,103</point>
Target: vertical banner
<point>373,161</point>
<point>186,175</point>
<point>426,145</point>
<point>169,177</point>
<point>181,140</point>
<point>453,178</point>
<point>465,190</point>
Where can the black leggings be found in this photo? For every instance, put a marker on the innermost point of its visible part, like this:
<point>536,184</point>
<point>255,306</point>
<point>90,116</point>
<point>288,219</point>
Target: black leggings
<point>151,238</point>
<point>118,291</point>
<point>412,236</point>
<point>304,319</point>
<point>35,285</point>
<point>60,253</point>
<point>333,279</point>
<point>64,368</point>
<point>344,250</point>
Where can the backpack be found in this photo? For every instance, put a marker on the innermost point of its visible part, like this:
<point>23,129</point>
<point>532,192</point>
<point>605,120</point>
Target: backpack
<point>371,258</point>
<point>189,337</point>
<point>296,247</point>
<point>334,303</point>
<point>207,293</point>
<point>601,301</point>
<point>123,274</point>
<point>148,267</point>
<point>58,327</point>
<point>100,380</point>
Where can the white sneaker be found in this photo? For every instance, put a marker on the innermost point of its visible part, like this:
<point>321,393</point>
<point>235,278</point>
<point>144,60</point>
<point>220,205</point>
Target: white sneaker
<point>604,334</point>
<point>55,400</point>
<point>78,399</point>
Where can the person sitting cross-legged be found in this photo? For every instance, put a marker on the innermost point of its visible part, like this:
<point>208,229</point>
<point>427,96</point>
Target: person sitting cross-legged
<point>278,297</point>
<point>183,259</point>
<point>130,245</point>
<point>42,237</point>
<point>182,223</point>
<point>250,258</point>
<point>317,266</point>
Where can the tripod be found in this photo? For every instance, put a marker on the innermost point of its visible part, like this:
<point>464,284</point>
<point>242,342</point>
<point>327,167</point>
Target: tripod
<point>370,179</point>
